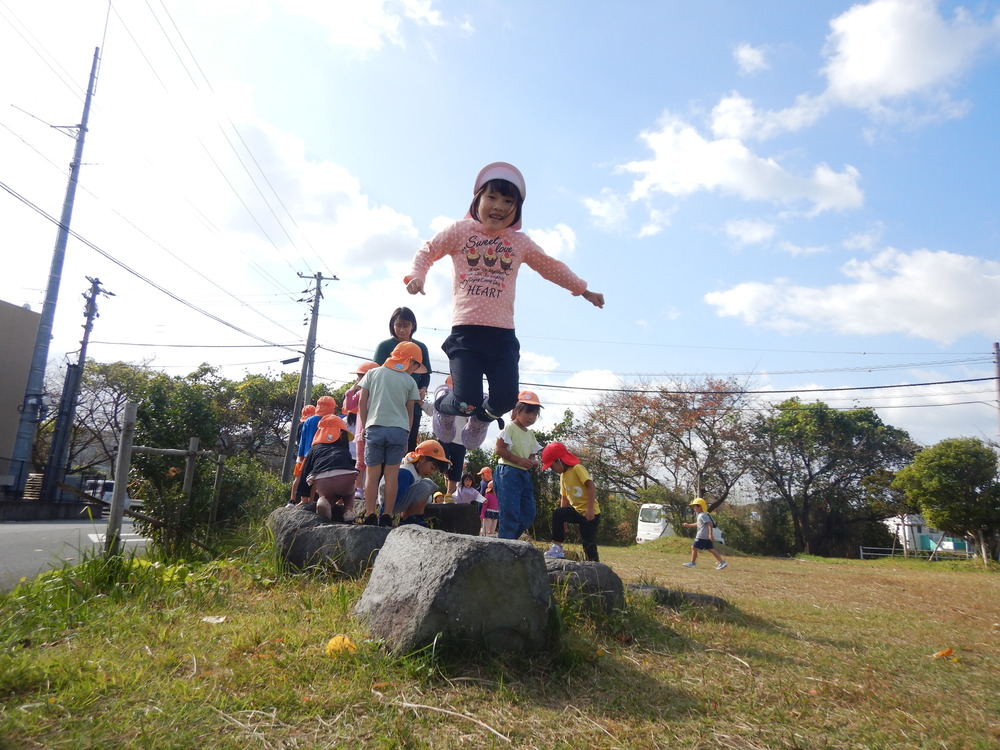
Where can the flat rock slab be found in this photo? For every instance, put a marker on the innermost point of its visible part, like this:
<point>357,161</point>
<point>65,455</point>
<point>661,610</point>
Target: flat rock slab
<point>454,517</point>
<point>593,583</point>
<point>306,540</point>
<point>457,591</point>
<point>675,599</point>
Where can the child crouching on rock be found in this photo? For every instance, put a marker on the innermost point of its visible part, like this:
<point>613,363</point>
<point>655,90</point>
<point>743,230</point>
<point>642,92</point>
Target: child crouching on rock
<point>415,488</point>
<point>577,504</point>
<point>328,472</point>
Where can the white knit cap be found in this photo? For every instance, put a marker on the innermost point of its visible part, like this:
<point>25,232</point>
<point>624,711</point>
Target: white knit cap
<point>501,170</point>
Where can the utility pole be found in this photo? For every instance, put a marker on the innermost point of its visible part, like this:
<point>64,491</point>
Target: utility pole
<point>306,374</point>
<point>58,465</point>
<point>31,411</point>
<point>996,372</point>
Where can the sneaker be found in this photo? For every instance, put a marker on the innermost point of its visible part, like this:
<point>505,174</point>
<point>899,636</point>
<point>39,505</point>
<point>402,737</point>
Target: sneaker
<point>689,564</point>
<point>722,565</point>
<point>417,519</point>
<point>474,433</point>
<point>443,425</point>
<point>556,550</point>
<point>384,521</point>
<point>370,520</point>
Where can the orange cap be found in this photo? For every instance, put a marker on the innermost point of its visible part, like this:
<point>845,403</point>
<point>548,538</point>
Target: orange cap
<point>307,411</point>
<point>557,452</point>
<point>326,405</point>
<point>528,397</point>
<point>429,448</point>
<point>486,473</point>
<point>330,428</point>
<point>400,358</point>
<point>365,367</point>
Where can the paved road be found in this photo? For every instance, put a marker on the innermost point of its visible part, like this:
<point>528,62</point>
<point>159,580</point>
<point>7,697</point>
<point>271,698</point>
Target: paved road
<point>28,548</point>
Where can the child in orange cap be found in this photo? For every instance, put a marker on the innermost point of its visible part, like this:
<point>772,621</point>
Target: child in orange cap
<point>577,502</point>
<point>486,252</point>
<point>328,472</point>
<point>388,397</point>
<point>415,488</point>
<point>516,448</point>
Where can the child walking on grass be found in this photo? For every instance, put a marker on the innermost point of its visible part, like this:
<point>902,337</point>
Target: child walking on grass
<point>487,251</point>
<point>705,536</point>
<point>578,501</point>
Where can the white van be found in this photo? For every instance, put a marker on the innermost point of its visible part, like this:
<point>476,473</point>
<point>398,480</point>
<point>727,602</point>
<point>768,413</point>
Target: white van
<point>103,489</point>
<point>652,523</point>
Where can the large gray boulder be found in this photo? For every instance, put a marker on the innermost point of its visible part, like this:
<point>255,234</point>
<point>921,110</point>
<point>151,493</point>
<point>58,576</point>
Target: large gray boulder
<point>594,584</point>
<point>676,599</point>
<point>463,592</point>
<point>306,540</point>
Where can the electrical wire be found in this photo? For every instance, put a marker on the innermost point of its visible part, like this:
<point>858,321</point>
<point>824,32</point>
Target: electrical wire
<point>135,273</point>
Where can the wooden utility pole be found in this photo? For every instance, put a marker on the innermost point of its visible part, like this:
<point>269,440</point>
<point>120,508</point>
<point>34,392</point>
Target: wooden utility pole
<point>305,376</point>
<point>31,408</point>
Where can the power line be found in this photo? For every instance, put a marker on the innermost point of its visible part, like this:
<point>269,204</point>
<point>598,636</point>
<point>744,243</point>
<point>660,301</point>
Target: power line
<point>135,273</point>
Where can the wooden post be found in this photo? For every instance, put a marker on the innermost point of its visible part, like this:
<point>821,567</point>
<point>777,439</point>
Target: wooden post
<point>123,464</point>
<point>189,467</point>
<point>217,490</point>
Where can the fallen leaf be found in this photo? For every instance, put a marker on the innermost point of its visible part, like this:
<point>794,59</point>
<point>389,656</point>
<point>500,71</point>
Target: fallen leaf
<point>944,653</point>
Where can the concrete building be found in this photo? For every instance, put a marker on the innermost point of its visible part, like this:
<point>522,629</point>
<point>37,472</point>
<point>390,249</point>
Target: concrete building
<point>18,329</point>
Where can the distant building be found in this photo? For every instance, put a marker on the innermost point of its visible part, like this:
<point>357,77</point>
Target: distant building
<point>18,329</point>
<point>916,536</point>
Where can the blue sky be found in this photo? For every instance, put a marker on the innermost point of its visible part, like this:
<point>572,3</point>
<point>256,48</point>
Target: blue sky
<point>799,195</point>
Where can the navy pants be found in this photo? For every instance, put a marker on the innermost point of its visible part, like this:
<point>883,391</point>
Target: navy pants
<point>588,529</point>
<point>474,352</point>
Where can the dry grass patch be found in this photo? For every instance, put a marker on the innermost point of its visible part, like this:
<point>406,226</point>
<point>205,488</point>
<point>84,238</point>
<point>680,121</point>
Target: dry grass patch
<point>810,654</point>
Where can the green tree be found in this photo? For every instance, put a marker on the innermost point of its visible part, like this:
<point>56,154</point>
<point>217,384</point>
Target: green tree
<point>822,464</point>
<point>956,486</point>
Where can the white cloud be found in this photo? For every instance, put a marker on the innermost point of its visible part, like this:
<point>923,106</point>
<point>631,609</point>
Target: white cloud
<point>867,240</point>
<point>736,117</point>
<point>559,242</point>
<point>366,25</point>
<point>750,231</point>
<point>750,59</point>
<point>883,56</point>
<point>934,295</point>
<point>889,49</point>
<point>685,162</point>
<point>800,250</point>
<point>609,211</point>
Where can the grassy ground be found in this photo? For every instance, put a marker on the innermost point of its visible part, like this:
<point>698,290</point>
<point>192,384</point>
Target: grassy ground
<point>811,654</point>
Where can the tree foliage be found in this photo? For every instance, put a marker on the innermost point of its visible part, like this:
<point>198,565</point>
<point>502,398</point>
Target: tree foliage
<point>828,468</point>
<point>687,437</point>
<point>956,486</point>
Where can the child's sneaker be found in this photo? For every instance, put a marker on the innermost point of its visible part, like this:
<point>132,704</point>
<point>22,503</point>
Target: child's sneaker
<point>556,550</point>
<point>474,433</point>
<point>370,520</point>
<point>689,564</point>
<point>722,565</point>
<point>384,521</point>
<point>443,425</point>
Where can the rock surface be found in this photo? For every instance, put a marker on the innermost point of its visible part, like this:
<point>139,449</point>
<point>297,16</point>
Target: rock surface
<point>456,591</point>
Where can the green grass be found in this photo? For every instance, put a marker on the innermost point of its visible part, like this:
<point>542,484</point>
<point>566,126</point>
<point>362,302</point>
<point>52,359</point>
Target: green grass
<point>810,654</point>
